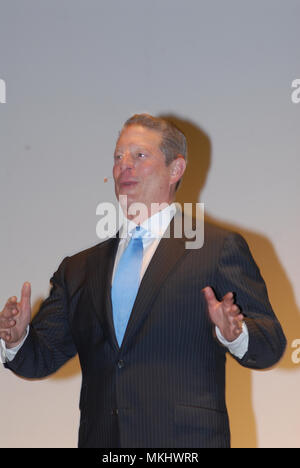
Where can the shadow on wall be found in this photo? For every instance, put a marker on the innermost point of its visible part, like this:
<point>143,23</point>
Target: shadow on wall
<point>239,383</point>
<point>238,379</point>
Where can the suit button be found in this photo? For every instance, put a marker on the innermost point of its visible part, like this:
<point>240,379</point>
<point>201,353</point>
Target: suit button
<point>114,412</point>
<point>121,364</point>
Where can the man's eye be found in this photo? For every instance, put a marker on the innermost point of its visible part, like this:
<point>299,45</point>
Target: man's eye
<point>141,155</point>
<point>117,157</point>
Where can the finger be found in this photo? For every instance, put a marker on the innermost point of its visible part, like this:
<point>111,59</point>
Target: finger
<point>5,335</point>
<point>233,311</point>
<point>240,318</point>
<point>7,323</point>
<point>25,295</point>
<point>210,296</point>
<point>10,310</point>
<point>238,323</point>
<point>228,300</point>
<point>239,330</point>
<point>12,300</point>
<point>10,304</point>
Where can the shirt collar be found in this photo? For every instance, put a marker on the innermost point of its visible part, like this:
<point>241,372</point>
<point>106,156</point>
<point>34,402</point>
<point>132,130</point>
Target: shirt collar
<point>155,226</point>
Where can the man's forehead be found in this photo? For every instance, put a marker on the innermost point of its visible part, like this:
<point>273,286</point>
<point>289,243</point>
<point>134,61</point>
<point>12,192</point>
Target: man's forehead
<point>139,134</point>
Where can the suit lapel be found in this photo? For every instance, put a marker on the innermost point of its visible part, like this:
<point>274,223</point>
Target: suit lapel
<point>100,270</point>
<point>167,255</point>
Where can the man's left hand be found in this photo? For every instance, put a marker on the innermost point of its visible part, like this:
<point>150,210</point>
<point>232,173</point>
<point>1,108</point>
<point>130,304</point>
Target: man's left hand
<point>225,315</point>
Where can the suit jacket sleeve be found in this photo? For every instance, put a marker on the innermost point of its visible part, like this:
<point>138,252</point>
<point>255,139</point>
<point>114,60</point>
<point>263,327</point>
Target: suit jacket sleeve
<point>49,343</point>
<point>238,272</point>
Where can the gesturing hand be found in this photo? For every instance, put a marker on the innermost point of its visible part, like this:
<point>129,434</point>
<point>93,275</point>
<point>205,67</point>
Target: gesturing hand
<point>225,314</point>
<point>15,317</point>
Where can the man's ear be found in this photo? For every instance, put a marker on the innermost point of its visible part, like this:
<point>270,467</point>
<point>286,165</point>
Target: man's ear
<point>177,168</point>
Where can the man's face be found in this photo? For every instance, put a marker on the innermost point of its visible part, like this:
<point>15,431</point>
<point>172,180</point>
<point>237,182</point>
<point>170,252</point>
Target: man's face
<point>140,171</point>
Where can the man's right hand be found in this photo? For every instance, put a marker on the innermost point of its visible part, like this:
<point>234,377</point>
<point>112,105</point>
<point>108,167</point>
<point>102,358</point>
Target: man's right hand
<point>15,317</point>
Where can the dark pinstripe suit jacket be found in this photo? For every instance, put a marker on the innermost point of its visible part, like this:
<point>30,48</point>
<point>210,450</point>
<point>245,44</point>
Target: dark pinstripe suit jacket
<point>165,386</point>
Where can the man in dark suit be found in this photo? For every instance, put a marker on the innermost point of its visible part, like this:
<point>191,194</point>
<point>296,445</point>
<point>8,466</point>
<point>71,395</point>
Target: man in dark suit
<point>156,377</point>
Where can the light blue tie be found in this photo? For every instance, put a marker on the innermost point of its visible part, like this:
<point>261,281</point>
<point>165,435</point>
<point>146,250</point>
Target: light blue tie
<point>126,282</point>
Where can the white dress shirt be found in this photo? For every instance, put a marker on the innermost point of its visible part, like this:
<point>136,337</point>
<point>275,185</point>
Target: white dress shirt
<point>155,226</point>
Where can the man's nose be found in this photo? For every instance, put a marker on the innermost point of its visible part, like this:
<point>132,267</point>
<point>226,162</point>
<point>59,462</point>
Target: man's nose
<point>127,161</point>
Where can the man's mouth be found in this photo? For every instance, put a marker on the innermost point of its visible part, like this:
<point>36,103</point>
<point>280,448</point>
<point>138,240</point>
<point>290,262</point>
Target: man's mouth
<point>128,183</point>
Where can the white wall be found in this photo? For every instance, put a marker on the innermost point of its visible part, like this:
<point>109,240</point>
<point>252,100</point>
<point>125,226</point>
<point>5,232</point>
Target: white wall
<point>74,71</point>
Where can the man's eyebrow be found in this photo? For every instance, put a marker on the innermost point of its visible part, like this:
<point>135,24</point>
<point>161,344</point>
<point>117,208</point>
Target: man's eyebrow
<point>133,147</point>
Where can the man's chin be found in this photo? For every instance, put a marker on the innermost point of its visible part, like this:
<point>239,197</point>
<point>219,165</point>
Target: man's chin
<point>132,206</point>
<point>127,197</point>
<point>129,190</point>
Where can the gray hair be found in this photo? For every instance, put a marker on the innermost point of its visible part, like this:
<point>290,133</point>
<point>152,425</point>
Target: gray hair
<point>173,140</point>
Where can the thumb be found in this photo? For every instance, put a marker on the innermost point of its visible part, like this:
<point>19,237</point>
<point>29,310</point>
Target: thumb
<point>210,296</point>
<point>25,296</point>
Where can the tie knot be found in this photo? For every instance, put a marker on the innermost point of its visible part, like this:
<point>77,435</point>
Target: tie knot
<point>138,233</point>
